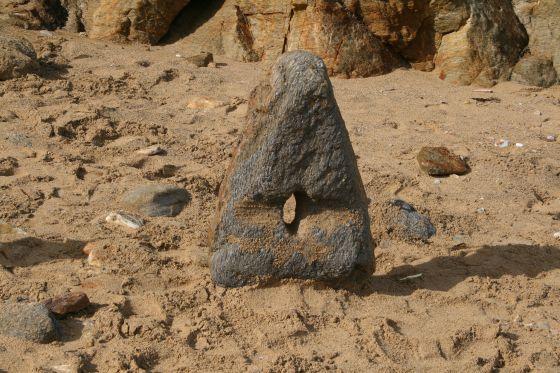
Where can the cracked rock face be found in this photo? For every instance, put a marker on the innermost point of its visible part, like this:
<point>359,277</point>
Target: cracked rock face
<point>295,144</point>
<point>485,47</point>
<point>257,30</point>
<point>143,21</point>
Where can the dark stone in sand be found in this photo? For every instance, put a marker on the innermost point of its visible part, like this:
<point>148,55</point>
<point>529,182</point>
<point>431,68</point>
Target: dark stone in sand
<point>29,321</point>
<point>402,221</point>
<point>295,143</point>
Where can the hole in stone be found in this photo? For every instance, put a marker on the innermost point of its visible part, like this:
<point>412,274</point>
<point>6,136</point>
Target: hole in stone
<point>193,16</point>
<point>289,210</point>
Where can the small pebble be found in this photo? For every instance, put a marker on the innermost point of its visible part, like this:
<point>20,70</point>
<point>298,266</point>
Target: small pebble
<point>550,138</point>
<point>67,303</point>
<point>152,150</point>
<point>46,33</point>
<point>557,235</point>
<point>519,145</point>
<point>124,220</point>
<point>481,210</point>
<point>502,143</point>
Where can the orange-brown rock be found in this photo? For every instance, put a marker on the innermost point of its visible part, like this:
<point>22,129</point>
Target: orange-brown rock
<point>130,20</point>
<point>253,30</point>
<point>67,303</point>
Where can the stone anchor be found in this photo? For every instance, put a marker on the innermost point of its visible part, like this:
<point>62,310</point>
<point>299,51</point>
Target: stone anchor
<point>295,144</point>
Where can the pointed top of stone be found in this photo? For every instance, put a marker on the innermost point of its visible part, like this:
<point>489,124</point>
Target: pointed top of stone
<point>295,144</point>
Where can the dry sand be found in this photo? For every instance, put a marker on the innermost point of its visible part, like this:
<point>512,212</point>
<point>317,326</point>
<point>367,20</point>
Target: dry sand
<point>489,295</point>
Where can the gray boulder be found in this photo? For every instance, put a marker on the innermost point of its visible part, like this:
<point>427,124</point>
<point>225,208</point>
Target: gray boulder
<point>157,200</point>
<point>295,143</point>
<point>535,71</point>
<point>29,321</point>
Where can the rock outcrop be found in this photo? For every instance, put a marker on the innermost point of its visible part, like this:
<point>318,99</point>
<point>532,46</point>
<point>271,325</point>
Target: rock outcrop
<point>295,144</point>
<point>17,57</point>
<point>263,30</point>
<point>74,15</point>
<point>485,48</point>
<point>535,71</point>
<point>465,41</point>
<point>542,21</point>
<point>142,21</point>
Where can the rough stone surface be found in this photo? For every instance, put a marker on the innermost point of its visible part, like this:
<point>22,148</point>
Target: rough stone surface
<point>35,14</point>
<point>485,48</point>
<point>67,303</point>
<point>262,30</point>
<point>17,57</point>
<point>535,71</point>
<point>157,200</point>
<point>439,161</point>
<point>295,143</point>
<point>542,21</point>
<point>402,221</point>
<point>32,322</point>
<point>143,21</point>
<point>406,25</point>
<point>8,166</point>
<point>201,60</point>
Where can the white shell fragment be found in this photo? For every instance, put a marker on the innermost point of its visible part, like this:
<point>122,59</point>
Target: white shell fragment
<point>124,220</point>
<point>151,150</point>
<point>502,143</point>
<point>412,277</point>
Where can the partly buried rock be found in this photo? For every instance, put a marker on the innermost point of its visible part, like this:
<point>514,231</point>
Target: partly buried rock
<point>295,143</point>
<point>124,220</point>
<point>157,200</point>
<point>201,60</point>
<point>535,71</point>
<point>400,220</point>
<point>67,303</point>
<point>32,322</point>
<point>17,57</point>
<point>439,161</point>
<point>8,166</point>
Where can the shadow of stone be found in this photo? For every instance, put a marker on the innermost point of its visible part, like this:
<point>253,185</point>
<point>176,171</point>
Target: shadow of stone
<point>443,273</point>
<point>29,251</point>
<point>52,71</point>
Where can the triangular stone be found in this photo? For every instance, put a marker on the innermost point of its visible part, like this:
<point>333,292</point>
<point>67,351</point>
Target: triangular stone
<point>295,143</point>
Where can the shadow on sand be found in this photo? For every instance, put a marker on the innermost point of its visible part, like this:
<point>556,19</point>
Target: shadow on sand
<point>443,273</point>
<point>29,251</point>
